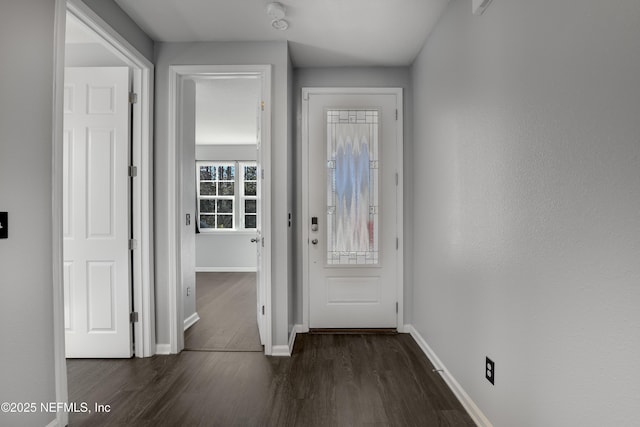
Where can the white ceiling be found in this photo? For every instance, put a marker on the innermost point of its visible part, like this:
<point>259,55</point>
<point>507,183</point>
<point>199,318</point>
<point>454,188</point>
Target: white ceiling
<point>321,32</point>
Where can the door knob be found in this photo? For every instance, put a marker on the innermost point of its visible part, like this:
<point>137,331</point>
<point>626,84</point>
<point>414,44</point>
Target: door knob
<point>314,241</point>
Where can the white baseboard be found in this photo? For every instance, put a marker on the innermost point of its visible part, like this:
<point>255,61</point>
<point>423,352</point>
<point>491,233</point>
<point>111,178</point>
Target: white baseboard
<point>297,329</point>
<point>474,412</point>
<point>163,348</point>
<point>225,269</point>
<point>191,320</point>
<point>280,351</point>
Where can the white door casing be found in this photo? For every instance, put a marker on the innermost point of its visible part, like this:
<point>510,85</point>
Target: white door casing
<point>353,275</point>
<point>177,73</point>
<point>96,198</point>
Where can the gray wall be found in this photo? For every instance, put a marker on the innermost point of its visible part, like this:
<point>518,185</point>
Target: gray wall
<point>113,15</point>
<point>527,184</point>
<point>226,53</point>
<point>26,307</point>
<point>357,77</point>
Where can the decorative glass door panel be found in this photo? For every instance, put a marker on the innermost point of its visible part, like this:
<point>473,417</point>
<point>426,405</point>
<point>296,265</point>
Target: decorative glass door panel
<point>352,186</point>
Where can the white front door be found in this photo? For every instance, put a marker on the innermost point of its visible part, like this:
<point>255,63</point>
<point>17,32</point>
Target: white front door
<point>97,287</point>
<point>352,194</point>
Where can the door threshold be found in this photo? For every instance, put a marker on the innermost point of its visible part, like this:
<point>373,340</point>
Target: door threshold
<point>353,331</point>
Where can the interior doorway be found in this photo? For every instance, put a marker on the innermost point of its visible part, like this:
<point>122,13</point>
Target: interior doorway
<point>221,177</point>
<point>89,42</point>
<point>205,203</point>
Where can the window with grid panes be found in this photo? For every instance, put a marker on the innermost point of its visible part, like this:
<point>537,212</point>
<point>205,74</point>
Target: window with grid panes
<point>248,198</point>
<point>227,195</point>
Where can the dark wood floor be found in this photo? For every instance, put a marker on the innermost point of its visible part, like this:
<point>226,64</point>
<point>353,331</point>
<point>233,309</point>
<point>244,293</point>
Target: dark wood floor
<point>226,304</point>
<point>330,380</point>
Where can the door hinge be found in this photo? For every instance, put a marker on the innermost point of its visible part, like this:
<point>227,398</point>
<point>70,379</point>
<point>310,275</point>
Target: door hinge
<point>397,243</point>
<point>263,310</point>
<point>396,114</point>
<point>397,178</point>
<point>262,105</point>
<point>396,306</point>
<point>133,97</point>
<point>262,173</point>
<point>133,244</point>
<point>133,171</point>
<point>133,317</point>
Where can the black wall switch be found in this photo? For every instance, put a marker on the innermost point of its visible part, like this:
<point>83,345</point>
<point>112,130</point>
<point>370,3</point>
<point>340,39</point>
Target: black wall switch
<point>4,226</point>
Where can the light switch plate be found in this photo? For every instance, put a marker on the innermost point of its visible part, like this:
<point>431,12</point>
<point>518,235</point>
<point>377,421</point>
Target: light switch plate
<point>4,225</point>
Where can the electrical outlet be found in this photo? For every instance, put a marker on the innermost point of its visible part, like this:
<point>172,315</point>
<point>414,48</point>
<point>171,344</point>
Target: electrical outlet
<point>490,370</point>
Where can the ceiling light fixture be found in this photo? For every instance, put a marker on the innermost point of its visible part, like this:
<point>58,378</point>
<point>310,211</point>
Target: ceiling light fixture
<point>277,13</point>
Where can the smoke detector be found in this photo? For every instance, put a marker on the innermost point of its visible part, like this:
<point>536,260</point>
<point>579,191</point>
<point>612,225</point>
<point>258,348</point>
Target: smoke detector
<point>277,12</point>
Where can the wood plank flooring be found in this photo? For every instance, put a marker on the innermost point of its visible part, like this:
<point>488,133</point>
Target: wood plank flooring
<point>330,380</point>
<point>226,304</point>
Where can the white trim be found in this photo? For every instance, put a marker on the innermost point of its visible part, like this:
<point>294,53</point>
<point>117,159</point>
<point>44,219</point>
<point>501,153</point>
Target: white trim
<point>191,320</point>
<point>280,351</point>
<point>306,91</point>
<point>163,348</point>
<point>117,44</point>
<point>469,405</point>
<point>60,362</point>
<point>226,269</point>
<point>177,73</point>
<point>297,329</point>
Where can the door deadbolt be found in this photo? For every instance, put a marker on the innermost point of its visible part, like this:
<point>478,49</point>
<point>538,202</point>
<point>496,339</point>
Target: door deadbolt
<point>314,223</point>
<point>314,241</point>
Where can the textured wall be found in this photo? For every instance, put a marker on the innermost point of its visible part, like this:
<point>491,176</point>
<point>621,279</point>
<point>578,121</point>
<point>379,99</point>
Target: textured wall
<point>527,186</point>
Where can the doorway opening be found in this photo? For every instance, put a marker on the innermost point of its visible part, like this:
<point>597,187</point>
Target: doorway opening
<point>84,41</point>
<point>222,180</point>
<point>221,299</point>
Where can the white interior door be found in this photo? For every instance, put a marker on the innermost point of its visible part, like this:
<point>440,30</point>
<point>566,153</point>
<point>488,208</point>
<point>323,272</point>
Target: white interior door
<point>352,194</point>
<point>97,287</point>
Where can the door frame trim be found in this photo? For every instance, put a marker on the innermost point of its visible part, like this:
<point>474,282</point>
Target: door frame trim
<point>306,93</point>
<point>177,73</point>
<point>142,187</point>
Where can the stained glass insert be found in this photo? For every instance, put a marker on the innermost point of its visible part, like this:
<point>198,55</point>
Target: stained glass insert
<point>352,186</point>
